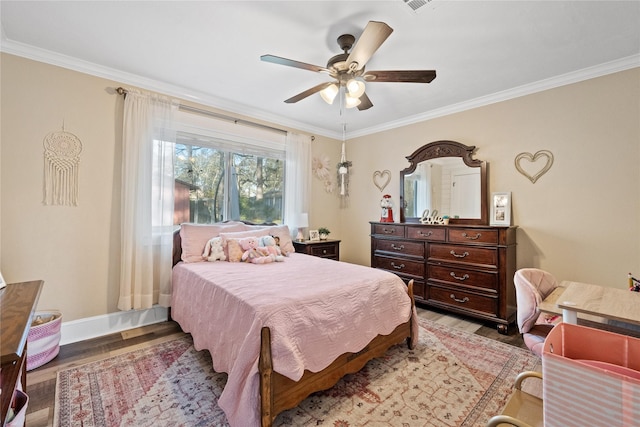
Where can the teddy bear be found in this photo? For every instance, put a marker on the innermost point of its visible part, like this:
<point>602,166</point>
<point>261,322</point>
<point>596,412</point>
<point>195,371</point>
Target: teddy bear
<point>269,242</point>
<point>213,250</point>
<point>253,253</point>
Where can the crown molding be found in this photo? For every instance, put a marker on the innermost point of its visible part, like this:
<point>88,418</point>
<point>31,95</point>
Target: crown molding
<point>124,78</point>
<point>64,61</point>
<point>611,67</point>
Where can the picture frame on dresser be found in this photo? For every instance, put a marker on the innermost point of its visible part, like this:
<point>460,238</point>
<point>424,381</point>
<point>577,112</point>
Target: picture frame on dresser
<point>314,235</point>
<point>500,209</point>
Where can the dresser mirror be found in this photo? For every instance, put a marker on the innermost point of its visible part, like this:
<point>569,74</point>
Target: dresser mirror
<point>444,178</point>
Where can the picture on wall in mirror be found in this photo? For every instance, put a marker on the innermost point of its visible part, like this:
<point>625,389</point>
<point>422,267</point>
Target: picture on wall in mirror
<point>500,209</point>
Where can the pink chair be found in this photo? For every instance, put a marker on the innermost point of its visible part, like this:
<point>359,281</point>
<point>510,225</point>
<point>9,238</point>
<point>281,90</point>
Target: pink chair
<point>532,286</point>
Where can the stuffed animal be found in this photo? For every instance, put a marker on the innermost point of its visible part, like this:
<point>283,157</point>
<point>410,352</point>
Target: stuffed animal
<point>269,242</point>
<point>253,253</point>
<point>213,250</point>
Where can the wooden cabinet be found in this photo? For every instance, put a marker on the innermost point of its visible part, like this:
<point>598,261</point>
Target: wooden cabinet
<point>321,248</point>
<point>466,269</point>
<point>17,304</point>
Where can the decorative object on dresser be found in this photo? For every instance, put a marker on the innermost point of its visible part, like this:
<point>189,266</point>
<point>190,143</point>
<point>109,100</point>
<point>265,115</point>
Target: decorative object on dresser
<point>322,248</point>
<point>533,158</point>
<point>314,235</point>
<point>466,266</point>
<point>500,209</point>
<point>18,302</point>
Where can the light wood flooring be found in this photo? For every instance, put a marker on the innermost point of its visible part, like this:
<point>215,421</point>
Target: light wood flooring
<point>42,381</point>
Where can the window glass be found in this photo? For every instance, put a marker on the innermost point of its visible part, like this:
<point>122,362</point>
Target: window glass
<point>218,180</point>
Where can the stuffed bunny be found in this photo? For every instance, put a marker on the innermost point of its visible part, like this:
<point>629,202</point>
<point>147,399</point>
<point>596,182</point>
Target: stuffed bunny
<point>213,250</point>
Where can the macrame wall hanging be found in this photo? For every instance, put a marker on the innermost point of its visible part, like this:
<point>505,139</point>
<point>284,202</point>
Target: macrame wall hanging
<point>61,162</point>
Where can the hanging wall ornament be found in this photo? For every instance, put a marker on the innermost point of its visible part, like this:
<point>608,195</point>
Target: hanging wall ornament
<point>343,168</point>
<point>61,162</point>
<point>320,167</point>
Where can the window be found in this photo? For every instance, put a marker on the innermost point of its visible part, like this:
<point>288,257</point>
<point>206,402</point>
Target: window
<point>217,179</point>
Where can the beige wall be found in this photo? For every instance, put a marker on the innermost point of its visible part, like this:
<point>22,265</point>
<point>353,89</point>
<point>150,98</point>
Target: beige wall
<point>566,219</point>
<point>580,221</point>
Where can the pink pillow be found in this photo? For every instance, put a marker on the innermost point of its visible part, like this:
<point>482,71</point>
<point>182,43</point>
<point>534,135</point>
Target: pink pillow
<point>229,241</point>
<point>195,236</point>
<point>282,232</point>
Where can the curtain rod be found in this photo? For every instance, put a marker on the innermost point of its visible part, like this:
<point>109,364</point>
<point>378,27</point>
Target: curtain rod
<point>123,91</point>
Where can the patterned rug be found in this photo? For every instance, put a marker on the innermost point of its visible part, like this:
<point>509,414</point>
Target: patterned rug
<point>451,378</point>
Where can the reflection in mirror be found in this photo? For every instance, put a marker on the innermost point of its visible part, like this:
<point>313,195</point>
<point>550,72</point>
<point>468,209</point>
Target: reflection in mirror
<point>444,186</point>
<point>444,177</point>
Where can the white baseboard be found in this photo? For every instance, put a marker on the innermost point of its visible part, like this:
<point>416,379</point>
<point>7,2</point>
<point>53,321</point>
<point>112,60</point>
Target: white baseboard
<point>97,326</point>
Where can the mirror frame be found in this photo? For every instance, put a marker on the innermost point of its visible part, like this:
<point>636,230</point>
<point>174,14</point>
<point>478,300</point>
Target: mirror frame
<point>446,148</point>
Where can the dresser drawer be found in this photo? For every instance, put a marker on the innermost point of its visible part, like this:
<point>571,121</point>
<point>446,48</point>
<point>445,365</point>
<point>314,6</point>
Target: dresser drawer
<point>400,265</point>
<point>437,234</point>
<point>399,247</point>
<point>463,300</point>
<point>473,235</point>
<point>389,230</point>
<point>455,276</point>
<point>463,254</point>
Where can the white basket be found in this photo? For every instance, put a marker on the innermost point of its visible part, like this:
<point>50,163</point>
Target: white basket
<point>44,338</point>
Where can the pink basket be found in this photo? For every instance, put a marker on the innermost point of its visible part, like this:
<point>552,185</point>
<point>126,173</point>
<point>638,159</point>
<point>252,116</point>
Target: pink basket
<point>44,338</point>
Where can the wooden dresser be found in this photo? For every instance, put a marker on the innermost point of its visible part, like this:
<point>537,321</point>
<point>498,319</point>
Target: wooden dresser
<point>466,269</point>
<point>17,305</point>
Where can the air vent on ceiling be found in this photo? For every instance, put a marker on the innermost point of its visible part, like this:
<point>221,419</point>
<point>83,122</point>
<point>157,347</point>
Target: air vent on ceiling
<point>415,5</point>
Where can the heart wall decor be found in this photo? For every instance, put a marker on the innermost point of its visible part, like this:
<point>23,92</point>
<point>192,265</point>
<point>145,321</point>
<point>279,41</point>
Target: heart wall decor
<point>532,158</point>
<point>381,179</point>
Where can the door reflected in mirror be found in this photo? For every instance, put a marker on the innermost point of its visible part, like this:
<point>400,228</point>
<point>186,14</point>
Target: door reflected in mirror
<point>443,186</point>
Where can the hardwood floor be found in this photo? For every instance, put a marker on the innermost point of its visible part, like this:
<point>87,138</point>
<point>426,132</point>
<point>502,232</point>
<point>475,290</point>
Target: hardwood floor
<point>42,381</point>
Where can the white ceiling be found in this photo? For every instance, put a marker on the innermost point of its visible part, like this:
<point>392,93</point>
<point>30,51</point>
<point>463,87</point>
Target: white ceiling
<point>209,51</point>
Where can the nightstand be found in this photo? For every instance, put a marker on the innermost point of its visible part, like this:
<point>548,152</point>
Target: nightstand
<point>321,248</point>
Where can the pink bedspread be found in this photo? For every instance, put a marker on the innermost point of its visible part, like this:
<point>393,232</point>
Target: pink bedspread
<point>317,309</point>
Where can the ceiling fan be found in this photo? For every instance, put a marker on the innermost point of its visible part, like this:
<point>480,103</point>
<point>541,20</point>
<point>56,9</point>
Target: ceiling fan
<point>348,69</point>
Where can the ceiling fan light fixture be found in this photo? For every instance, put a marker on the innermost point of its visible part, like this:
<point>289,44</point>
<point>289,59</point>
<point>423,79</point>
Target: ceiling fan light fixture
<point>351,101</point>
<point>329,93</point>
<point>355,87</point>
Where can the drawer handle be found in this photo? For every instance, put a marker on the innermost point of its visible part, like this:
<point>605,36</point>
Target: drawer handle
<point>324,251</point>
<point>465,277</point>
<point>388,230</point>
<point>463,300</point>
<point>397,267</point>
<point>427,234</point>
<point>476,237</point>
<point>465,254</point>
<point>397,248</point>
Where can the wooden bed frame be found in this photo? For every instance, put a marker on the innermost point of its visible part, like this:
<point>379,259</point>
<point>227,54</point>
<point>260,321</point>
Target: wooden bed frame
<point>279,393</point>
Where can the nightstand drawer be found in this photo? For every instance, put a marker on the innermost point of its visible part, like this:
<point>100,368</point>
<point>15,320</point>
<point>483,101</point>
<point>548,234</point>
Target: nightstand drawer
<point>328,250</point>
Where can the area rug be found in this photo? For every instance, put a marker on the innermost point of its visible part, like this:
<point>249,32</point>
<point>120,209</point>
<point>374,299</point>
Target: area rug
<point>451,378</point>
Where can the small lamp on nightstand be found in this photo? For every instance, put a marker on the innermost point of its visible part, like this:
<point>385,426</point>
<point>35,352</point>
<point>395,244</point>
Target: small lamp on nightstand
<point>302,223</point>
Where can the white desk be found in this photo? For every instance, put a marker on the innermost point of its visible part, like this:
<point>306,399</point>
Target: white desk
<point>611,303</point>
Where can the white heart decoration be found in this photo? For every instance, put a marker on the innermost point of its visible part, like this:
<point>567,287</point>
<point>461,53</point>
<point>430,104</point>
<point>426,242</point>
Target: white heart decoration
<point>533,158</point>
<point>381,179</point>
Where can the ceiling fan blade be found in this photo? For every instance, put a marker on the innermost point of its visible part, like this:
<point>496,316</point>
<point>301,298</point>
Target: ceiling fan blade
<point>406,76</point>
<point>374,34</point>
<point>365,102</point>
<point>295,64</point>
<point>308,92</point>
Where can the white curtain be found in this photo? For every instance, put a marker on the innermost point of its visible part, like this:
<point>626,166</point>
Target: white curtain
<point>147,201</point>
<point>297,178</point>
